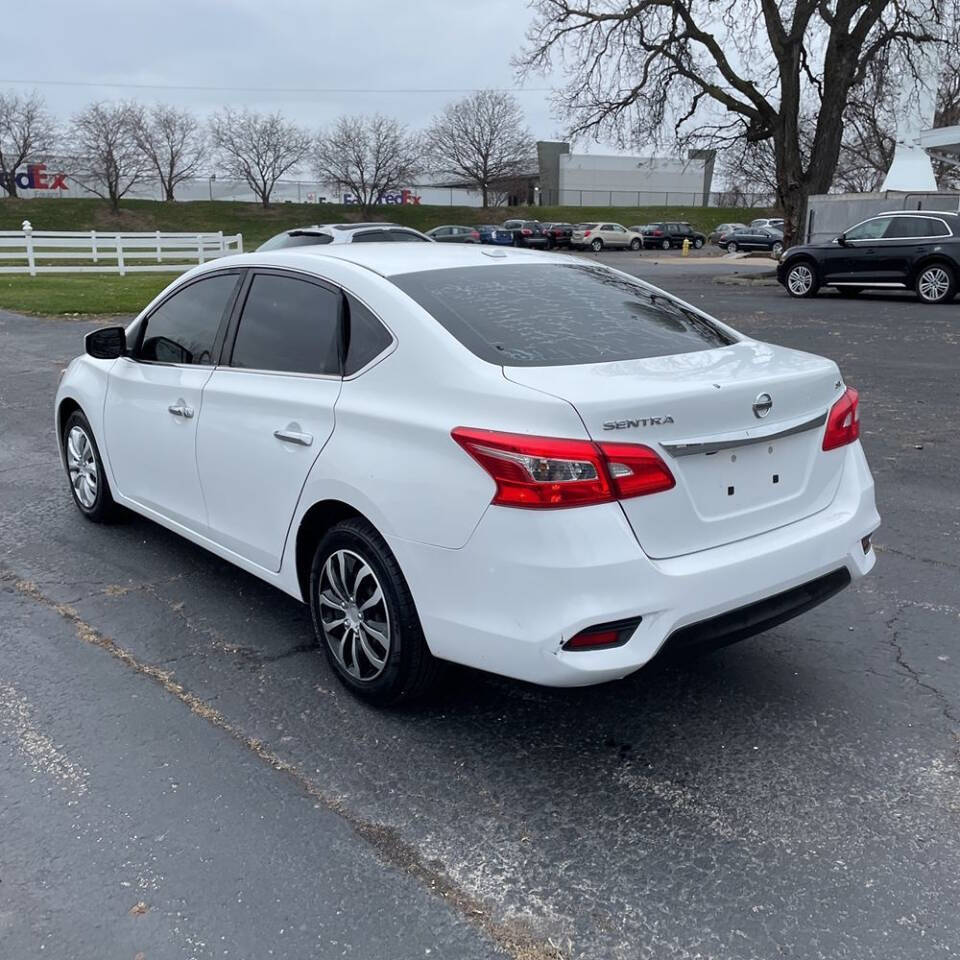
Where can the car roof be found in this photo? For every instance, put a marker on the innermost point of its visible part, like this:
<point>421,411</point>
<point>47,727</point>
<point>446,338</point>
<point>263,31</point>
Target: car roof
<point>916,213</point>
<point>389,259</point>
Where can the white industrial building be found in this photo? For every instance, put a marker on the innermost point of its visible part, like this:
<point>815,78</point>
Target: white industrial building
<point>591,179</point>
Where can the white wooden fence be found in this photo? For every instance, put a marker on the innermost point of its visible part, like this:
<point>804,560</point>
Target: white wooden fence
<point>55,251</point>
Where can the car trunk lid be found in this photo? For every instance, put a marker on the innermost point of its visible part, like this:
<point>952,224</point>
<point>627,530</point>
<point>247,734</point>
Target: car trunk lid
<point>739,472</point>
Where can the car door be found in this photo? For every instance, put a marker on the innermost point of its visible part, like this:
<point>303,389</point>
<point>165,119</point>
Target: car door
<point>155,395</point>
<point>268,410</point>
<point>904,242</point>
<point>858,260</point>
<point>619,236</point>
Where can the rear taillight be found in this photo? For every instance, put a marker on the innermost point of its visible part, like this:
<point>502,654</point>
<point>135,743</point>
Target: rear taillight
<point>843,422</point>
<point>526,232</point>
<point>549,472</point>
<point>586,233</point>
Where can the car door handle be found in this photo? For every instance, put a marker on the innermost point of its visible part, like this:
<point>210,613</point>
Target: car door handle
<point>292,436</point>
<point>180,409</point>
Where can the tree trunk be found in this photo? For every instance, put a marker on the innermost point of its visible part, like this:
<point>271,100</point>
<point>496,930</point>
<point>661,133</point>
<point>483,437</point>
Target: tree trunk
<point>9,183</point>
<point>168,191</point>
<point>484,192</point>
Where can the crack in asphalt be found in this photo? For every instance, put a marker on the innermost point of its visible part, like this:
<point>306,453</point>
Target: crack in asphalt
<point>945,704</point>
<point>387,844</point>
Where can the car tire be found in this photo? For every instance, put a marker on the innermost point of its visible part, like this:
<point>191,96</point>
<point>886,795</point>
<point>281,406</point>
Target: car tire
<point>376,648</point>
<point>665,245</point>
<point>596,245</point>
<point>697,243</point>
<point>801,279</point>
<point>732,247</point>
<point>88,480</point>
<point>635,244</point>
<point>777,249</point>
<point>936,283</point>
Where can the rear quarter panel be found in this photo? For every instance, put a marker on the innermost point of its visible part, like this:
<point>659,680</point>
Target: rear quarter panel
<point>391,455</point>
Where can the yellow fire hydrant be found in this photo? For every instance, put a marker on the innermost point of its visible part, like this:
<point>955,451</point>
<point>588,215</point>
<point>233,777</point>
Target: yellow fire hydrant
<point>686,247</point>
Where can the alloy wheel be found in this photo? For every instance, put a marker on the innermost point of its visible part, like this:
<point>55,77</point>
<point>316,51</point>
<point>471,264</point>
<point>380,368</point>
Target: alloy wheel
<point>777,249</point>
<point>82,467</point>
<point>933,284</point>
<point>800,280</point>
<point>354,615</point>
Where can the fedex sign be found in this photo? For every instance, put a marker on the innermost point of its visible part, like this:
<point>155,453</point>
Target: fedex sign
<point>37,178</point>
<point>395,199</point>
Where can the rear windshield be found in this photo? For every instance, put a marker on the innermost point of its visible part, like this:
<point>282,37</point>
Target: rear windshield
<point>548,314</point>
<point>296,239</point>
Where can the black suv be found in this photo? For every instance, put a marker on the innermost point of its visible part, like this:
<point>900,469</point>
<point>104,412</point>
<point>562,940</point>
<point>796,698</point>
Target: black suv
<point>916,250</point>
<point>671,234</point>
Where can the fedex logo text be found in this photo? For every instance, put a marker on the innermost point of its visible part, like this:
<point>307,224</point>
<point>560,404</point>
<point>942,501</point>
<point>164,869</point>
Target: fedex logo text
<point>395,199</point>
<point>37,178</point>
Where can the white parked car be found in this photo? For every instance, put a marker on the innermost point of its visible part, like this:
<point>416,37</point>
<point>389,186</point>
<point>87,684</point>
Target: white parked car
<point>596,236</point>
<point>532,465</point>
<point>323,233</point>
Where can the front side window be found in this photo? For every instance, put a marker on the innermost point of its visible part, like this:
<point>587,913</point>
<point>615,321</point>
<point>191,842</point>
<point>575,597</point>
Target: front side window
<point>869,229</point>
<point>288,325</point>
<point>551,314</point>
<point>184,328</point>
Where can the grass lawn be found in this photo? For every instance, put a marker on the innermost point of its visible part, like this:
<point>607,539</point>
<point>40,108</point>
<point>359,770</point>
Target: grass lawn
<point>110,294</point>
<point>88,293</point>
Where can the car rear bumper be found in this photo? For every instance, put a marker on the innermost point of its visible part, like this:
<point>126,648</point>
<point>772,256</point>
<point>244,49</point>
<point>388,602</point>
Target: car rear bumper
<point>528,580</point>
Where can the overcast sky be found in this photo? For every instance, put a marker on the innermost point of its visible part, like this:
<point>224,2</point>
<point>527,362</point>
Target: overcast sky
<point>379,45</point>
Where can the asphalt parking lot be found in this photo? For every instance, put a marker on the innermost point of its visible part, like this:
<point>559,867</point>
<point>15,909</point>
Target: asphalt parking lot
<point>181,776</point>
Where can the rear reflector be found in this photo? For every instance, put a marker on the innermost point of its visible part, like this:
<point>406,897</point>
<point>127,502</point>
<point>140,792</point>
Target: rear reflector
<point>550,472</point>
<point>603,636</point>
<point>843,423</point>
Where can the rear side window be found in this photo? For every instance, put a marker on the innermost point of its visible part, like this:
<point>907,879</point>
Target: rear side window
<point>290,326</point>
<point>368,337</point>
<point>555,314</point>
<point>405,236</point>
<point>910,227</point>
<point>183,329</point>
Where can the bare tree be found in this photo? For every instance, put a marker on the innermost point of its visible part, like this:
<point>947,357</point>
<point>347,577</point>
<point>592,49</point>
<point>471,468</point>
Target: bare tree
<point>110,159</point>
<point>174,143</point>
<point>27,132</point>
<point>482,139</point>
<point>370,155</point>
<point>715,71</point>
<point>258,148</point>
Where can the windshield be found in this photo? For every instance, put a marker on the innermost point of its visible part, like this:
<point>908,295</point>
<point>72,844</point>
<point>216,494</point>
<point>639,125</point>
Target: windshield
<point>556,314</point>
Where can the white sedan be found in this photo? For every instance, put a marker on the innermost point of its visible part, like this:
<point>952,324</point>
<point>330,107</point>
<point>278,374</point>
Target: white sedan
<point>536,466</point>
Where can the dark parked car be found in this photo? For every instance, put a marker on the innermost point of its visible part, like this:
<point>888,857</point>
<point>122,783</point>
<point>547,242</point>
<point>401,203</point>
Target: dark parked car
<point>672,233</point>
<point>454,234</point>
<point>558,234</point>
<point>915,250</point>
<point>526,233</point>
<point>490,233</point>
<point>753,238</point>
<point>721,230</point>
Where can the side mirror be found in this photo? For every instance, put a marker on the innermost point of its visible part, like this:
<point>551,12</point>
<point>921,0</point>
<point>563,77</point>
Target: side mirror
<point>107,343</point>
<point>842,240</point>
